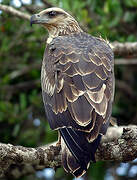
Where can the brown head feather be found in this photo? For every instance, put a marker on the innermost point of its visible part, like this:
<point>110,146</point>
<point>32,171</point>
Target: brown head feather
<point>57,21</point>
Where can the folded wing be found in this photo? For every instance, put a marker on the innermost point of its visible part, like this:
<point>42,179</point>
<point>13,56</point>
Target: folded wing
<point>77,85</point>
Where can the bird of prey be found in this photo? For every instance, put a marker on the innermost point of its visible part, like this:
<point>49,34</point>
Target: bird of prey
<point>77,87</point>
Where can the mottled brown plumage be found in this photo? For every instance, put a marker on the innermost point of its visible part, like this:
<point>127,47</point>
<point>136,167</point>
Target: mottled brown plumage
<point>77,88</point>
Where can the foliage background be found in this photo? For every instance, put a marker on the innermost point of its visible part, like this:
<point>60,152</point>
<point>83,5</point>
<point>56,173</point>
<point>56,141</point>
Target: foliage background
<point>22,116</point>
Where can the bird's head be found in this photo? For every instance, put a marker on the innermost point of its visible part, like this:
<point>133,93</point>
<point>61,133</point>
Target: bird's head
<point>57,21</point>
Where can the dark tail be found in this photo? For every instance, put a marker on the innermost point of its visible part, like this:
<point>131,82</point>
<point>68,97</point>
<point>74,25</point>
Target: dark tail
<point>77,152</point>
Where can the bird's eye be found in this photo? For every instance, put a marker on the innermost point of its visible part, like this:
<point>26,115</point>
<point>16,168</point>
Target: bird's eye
<point>52,13</point>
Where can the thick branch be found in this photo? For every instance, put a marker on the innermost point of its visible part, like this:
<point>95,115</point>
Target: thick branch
<point>14,12</point>
<point>123,149</point>
<point>12,158</point>
<point>16,161</point>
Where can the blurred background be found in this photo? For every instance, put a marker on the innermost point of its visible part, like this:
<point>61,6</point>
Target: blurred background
<point>22,117</point>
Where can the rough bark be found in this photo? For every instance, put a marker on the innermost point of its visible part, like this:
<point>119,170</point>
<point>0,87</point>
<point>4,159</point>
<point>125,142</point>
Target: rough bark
<point>119,144</point>
<point>16,161</point>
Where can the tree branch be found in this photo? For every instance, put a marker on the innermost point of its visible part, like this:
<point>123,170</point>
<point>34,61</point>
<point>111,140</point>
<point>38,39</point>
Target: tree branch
<point>14,12</point>
<point>12,158</point>
<point>125,49</point>
<point>119,144</point>
<point>47,3</point>
<point>122,149</point>
<point>127,62</point>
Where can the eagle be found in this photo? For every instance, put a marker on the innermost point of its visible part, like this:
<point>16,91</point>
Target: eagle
<point>77,79</point>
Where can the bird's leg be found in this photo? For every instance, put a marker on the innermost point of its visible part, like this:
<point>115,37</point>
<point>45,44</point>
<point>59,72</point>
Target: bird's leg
<point>59,139</point>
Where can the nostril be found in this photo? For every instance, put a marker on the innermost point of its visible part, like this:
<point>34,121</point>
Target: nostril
<point>38,15</point>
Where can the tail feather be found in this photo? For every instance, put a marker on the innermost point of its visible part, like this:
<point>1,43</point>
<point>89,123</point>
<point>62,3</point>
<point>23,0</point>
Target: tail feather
<point>79,172</point>
<point>70,163</point>
<point>76,145</point>
<point>77,152</point>
<point>64,156</point>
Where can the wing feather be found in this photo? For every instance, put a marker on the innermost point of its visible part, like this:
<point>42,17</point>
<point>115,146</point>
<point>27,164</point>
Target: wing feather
<point>91,81</point>
<point>82,111</point>
<point>79,77</point>
<point>85,67</point>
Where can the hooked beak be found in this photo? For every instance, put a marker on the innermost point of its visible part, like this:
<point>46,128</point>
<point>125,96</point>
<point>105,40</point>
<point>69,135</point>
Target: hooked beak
<point>38,19</point>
